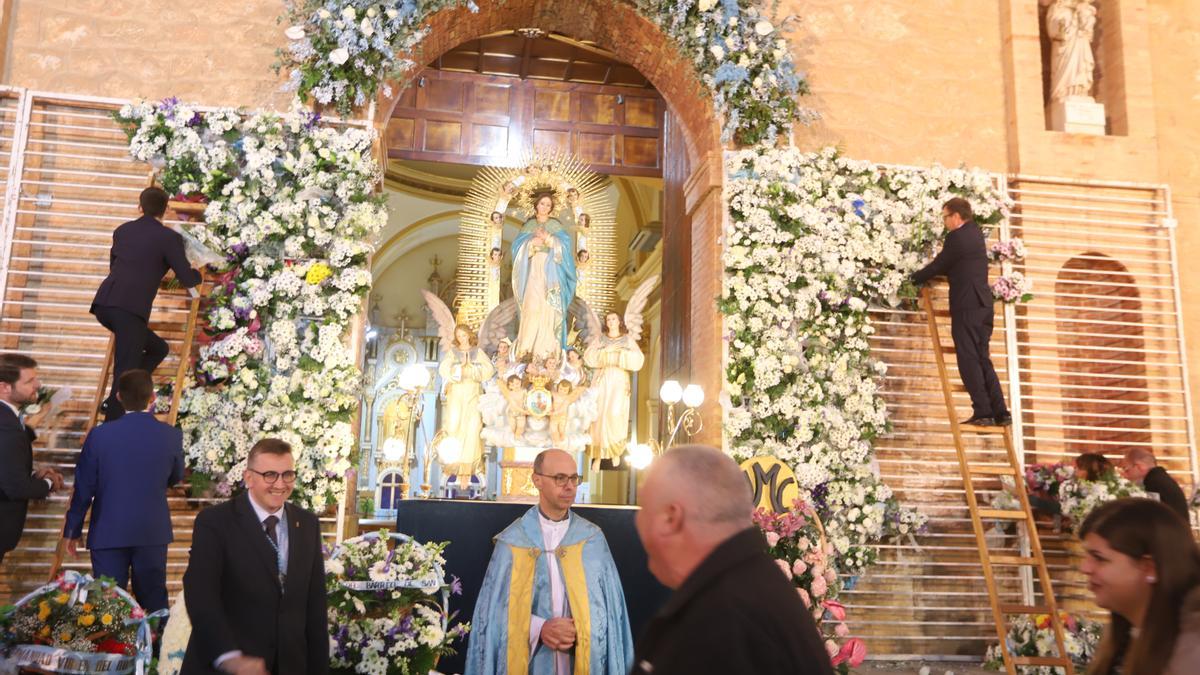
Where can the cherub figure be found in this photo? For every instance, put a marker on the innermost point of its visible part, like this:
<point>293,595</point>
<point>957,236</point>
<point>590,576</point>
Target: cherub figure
<point>503,359</point>
<point>582,258</point>
<point>514,394</point>
<point>573,370</point>
<point>564,395</point>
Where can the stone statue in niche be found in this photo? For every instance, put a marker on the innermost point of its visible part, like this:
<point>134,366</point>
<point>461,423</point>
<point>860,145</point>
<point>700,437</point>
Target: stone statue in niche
<point>1071,26</point>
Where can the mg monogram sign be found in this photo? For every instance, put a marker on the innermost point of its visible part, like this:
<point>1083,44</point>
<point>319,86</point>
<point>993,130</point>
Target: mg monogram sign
<point>772,483</point>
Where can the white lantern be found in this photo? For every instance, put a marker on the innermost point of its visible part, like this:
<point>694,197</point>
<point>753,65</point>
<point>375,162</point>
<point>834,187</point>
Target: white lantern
<point>449,450</point>
<point>693,396</point>
<point>670,392</point>
<point>640,456</point>
<point>393,449</point>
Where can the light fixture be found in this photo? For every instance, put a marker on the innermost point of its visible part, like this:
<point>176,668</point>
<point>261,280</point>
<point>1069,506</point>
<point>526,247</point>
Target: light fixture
<point>449,450</point>
<point>640,456</point>
<point>670,392</point>
<point>693,395</point>
<point>393,449</point>
<point>414,377</point>
<point>372,333</point>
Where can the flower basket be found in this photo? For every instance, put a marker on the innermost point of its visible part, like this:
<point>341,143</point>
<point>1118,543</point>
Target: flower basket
<point>79,625</point>
<point>388,600</point>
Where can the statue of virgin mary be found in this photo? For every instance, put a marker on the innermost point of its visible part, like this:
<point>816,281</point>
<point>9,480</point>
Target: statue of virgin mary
<point>544,279</point>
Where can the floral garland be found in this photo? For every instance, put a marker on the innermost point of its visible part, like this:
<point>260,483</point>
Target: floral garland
<point>1080,497</point>
<point>291,207</point>
<point>388,605</point>
<point>797,542</point>
<point>340,52</point>
<point>813,240</point>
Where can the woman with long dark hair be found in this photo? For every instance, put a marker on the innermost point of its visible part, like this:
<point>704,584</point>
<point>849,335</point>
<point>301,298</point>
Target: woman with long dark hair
<point>1143,565</point>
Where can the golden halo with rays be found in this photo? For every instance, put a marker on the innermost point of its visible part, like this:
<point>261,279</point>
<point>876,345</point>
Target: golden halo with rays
<point>511,191</point>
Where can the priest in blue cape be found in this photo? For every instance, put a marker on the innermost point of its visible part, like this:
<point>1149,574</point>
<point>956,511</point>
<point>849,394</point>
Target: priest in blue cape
<point>551,602</point>
<point>544,280</point>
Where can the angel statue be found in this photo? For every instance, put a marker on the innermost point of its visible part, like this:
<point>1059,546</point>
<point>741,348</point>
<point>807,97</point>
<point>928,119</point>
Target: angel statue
<point>464,369</point>
<point>544,279</point>
<point>613,355</point>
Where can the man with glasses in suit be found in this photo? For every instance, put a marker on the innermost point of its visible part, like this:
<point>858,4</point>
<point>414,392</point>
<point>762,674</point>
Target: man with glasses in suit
<point>255,583</point>
<point>551,602</point>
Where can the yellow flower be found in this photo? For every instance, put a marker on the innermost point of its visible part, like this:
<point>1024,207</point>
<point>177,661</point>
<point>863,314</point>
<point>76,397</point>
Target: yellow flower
<point>107,619</point>
<point>43,610</point>
<point>87,620</point>
<point>44,632</point>
<point>62,598</point>
<point>317,273</point>
<point>87,606</point>
<point>64,636</point>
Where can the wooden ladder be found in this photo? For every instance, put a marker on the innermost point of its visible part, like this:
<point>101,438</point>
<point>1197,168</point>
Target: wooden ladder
<point>106,372</point>
<point>1023,516</point>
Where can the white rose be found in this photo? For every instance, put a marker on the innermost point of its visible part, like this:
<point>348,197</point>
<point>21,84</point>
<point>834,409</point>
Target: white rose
<point>372,12</point>
<point>763,27</point>
<point>339,56</point>
<point>295,33</point>
<point>324,14</point>
<point>705,5</point>
<point>348,13</point>
<point>366,27</point>
<point>717,51</point>
<point>392,13</point>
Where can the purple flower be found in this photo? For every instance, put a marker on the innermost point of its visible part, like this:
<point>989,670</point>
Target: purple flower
<point>311,119</point>
<point>455,585</point>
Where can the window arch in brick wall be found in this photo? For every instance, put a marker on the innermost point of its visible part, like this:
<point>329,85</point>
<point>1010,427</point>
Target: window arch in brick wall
<point>1102,356</point>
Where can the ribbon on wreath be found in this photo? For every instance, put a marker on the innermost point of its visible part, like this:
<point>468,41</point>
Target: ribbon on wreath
<point>145,638</point>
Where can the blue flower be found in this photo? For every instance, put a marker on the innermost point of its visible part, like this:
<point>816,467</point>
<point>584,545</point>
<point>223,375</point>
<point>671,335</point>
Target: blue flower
<point>730,72</point>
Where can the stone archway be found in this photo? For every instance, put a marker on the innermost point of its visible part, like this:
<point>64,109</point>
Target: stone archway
<point>617,27</point>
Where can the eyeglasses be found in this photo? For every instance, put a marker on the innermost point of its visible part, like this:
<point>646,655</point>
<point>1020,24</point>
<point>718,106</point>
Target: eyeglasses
<point>562,479</point>
<point>271,477</point>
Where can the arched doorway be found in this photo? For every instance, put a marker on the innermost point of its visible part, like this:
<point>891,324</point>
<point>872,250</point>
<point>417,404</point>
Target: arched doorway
<point>693,172</point>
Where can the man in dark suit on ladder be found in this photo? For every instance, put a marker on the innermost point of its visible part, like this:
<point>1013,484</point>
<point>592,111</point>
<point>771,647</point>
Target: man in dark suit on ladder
<point>963,260</point>
<point>19,482</point>
<point>255,583</point>
<point>142,252</point>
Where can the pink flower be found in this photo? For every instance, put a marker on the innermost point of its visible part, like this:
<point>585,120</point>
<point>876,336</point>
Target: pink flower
<point>853,652</point>
<point>772,539</point>
<point>799,567</point>
<point>830,575</point>
<point>832,648</point>
<point>818,586</point>
<point>836,609</point>
<point>787,570</point>
<point>804,544</point>
<point>804,597</point>
<point>842,630</point>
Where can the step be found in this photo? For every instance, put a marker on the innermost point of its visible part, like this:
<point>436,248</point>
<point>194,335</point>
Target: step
<point>1011,560</point>
<point>1024,609</point>
<point>973,429</point>
<point>1040,661</point>
<point>1002,514</point>
<point>993,470</point>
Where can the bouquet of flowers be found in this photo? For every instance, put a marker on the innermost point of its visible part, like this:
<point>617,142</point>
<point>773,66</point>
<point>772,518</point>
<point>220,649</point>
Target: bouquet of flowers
<point>1079,497</point>
<point>797,542</point>
<point>1006,251</point>
<point>1013,287</point>
<point>388,600</point>
<point>1044,480</point>
<point>1034,636</point>
<point>90,623</point>
<point>47,398</point>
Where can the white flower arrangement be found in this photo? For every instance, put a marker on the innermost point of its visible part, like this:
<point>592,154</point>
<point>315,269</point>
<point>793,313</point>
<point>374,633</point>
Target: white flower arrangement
<point>1079,497</point>
<point>813,240</point>
<point>291,206</point>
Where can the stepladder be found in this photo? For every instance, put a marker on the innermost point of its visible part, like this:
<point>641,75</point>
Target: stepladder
<point>978,474</point>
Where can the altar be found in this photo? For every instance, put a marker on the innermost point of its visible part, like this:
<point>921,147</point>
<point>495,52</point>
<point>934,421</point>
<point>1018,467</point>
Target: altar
<point>469,526</point>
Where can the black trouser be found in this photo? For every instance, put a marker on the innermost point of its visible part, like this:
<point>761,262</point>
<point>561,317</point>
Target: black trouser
<point>137,347</point>
<point>971,330</point>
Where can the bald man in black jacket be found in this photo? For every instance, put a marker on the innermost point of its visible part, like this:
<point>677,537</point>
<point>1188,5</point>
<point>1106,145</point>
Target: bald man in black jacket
<point>143,250</point>
<point>963,261</point>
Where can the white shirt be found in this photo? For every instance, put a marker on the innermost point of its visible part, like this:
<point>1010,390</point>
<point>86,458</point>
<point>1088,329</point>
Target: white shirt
<point>281,533</point>
<point>17,413</point>
<point>552,535</point>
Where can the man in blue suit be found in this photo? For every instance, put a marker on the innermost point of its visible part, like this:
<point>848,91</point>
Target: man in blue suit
<point>123,474</point>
